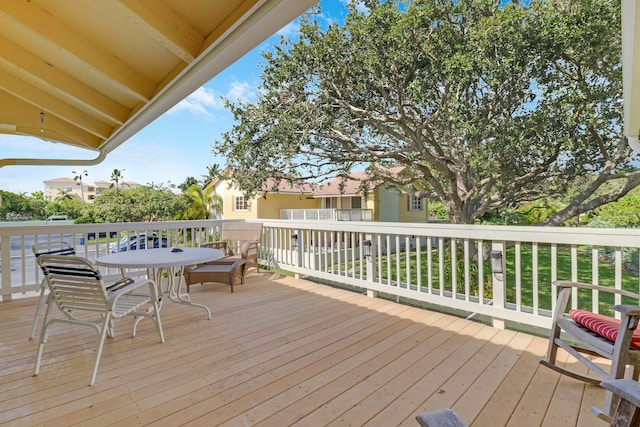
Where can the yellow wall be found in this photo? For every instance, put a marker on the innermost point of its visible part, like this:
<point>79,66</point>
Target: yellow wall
<point>270,207</point>
<point>386,205</point>
<point>227,206</point>
<point>406,215</point>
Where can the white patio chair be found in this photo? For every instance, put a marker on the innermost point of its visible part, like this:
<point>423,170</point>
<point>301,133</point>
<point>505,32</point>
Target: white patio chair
<point>57,247</point>
<point>76,286</point>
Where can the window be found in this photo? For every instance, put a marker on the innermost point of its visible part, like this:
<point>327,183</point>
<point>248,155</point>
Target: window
<point>415,203</point>
<point>356,202</point>
<point>331,203</point>
<point>241,203</point>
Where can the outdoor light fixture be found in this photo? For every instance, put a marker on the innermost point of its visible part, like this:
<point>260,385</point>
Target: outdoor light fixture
<point>366,248</point>
<point>294,241</point>
<point>496,262</point>
<point>42,121</point>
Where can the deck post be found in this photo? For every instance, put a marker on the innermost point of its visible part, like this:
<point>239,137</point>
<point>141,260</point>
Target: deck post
<point>498,279</point>
<point>5,281</point>
<point>370,263</point>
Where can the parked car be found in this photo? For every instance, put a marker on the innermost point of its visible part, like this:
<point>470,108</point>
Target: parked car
<point>92,235</point>
<point>139,241</point>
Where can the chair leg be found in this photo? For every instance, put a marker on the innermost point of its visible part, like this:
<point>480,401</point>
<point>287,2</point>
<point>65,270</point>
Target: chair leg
<point>41,301</point>
<point>36,368</point>
<point>101,337</point>
<point>43,339</point>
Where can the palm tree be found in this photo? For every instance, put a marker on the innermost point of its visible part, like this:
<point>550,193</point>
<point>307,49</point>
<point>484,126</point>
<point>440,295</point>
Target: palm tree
<point>116,176</point>
<point>63,195</point>
<point>78,177</point>
<point>213,172</point>
<point>205,202</point>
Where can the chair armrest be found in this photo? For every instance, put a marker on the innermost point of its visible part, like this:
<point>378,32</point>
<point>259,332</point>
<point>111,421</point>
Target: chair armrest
<point>627,389</point>
<point>119,284</point>
<point>628,310</point>
<point>121,290</point>
<point>565,284</point>
<point>249,247</point>
<point>222,244</point>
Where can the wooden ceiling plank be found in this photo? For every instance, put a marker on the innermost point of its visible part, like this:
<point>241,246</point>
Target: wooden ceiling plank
<point>55,106</point>
<point>53,128</point>
<point>164,26</point>
<point>95,59</point>
<point>25,66</point>
<point>230,21</point>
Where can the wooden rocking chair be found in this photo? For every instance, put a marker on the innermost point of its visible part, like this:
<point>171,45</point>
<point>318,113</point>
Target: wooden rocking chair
<point>583,334</point>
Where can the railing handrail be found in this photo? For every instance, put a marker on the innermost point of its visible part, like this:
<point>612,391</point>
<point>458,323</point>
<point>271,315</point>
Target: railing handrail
<point>625,237</point>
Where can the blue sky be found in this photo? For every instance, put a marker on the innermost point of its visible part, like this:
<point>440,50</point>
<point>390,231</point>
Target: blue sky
<point>177,145</point>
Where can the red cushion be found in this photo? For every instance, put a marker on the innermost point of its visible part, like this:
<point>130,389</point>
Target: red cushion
<point>604,326</point>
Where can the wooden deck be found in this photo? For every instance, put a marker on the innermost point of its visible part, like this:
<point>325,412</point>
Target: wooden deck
<point>280,352</point>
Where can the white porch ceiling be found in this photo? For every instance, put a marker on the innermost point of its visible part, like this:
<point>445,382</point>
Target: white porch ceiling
<point>99,71</point>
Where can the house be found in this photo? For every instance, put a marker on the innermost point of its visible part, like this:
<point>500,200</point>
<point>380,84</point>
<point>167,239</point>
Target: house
<point>385,203</point>
<point>353,198</point>
<point>268,202</point>
<point>53,188</point>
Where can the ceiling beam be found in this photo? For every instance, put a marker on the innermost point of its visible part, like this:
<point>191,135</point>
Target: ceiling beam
<point>164,26</point>
<point>86,57</point>
<point>53,128</point>
<point>35,71</point>
<point>34,96</point>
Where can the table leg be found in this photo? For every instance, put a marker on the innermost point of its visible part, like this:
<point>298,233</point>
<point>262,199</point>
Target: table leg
<point>174,293</point>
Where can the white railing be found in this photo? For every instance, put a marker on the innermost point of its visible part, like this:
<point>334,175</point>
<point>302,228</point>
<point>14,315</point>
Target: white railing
<point>19,273</point>
<point>430,263</point>
<point>437,263</point>
<point>326,214</point>
<point>308,214</point>
<point>354,215</point>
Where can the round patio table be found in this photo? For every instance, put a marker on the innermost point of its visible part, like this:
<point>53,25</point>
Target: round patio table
<point>160,260</point>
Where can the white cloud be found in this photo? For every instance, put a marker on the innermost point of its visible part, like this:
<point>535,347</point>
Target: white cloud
<point>202,102</point>
<point>242,92</point>
<point>360,6</point>
<point>290,30</point>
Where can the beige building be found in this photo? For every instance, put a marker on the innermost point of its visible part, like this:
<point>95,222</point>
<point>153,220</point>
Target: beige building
<point>54,188</point>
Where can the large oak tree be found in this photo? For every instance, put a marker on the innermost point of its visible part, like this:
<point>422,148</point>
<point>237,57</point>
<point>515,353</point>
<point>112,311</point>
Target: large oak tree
<point>487,105</point>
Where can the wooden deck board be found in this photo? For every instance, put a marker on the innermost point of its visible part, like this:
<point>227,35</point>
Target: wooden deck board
<point>281,351</point>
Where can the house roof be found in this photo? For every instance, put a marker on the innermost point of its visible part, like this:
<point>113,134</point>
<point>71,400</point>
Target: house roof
<point>96,183</point>
<point>352,184</point>
<point>286,187</point>
<point>59,180</point>
<point>94,73</point>
<point>347,186</point>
